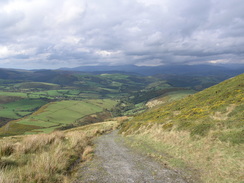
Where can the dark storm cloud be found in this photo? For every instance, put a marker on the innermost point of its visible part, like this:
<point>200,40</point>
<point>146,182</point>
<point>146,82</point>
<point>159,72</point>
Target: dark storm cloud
<point>68,33</point>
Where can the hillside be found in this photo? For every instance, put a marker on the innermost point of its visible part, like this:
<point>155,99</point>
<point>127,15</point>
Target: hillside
<point>218,107</point>
<point>55,115</point>
<point>202,134</point>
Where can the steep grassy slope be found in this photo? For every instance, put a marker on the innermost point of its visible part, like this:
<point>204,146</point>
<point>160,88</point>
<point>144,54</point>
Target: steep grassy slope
<point>202,133</point>
<point>219,107</point>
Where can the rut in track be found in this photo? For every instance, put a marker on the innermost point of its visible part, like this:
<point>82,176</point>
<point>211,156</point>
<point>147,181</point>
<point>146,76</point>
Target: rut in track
<point>116,163</point>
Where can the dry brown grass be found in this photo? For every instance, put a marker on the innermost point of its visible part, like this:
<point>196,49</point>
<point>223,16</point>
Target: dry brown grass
<point>223,116</point>
<point>33,143</point>
<point>6,149</point>
<point>87,153</point>
<point>216,161</point>
<point>47,157</point>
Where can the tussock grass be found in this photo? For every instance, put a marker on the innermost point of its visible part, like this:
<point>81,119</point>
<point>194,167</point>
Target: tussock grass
<point>6,149</point>
<point>47,157</point>
<point>34,143</point>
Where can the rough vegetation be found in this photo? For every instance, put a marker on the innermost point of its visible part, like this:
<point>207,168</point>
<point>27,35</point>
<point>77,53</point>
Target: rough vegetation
<point>47,157</point>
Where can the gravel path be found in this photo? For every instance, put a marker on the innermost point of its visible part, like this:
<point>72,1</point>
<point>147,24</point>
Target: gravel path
<point>116,163</point>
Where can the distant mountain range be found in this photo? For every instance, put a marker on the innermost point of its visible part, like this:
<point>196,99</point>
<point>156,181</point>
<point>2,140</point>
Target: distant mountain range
<point>175,75</point>
<point>196,70</point>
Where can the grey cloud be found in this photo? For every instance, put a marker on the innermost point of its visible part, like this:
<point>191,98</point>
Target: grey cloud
<point>79,32</point>
<point>10,19</point>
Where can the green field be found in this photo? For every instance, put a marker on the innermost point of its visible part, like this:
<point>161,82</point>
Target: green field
<point>82,87</point>
<point>57,114</point>
<point>36,85</point>
<point>14,94</point>
<point>20,108</point>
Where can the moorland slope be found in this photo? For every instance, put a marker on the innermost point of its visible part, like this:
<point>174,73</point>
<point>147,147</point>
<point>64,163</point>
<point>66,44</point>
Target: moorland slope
<point>218,108</point>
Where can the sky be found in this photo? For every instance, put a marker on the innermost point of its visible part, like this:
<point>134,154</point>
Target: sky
<point>37,34</point>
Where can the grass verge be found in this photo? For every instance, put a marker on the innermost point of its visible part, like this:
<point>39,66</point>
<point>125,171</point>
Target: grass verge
<point>205,158</point>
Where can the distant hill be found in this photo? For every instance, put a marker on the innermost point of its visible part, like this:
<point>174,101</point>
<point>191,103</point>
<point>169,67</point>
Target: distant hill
<point>13,74</point>
<point>196,77</point>
<point>197,70</point>
<point>218,108</point>
<point>52,76</point>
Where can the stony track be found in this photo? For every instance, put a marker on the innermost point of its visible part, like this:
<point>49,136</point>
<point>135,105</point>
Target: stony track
<point>116,163</point>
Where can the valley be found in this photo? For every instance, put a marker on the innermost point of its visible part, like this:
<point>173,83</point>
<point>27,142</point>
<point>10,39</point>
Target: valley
<point>45,100</point>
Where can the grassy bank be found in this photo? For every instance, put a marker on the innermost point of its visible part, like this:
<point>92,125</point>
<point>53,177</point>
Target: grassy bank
<point>47,157</point>
<point>206,158</point>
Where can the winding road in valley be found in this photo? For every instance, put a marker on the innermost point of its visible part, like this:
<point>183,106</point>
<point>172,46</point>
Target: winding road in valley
<point>116,163</point>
